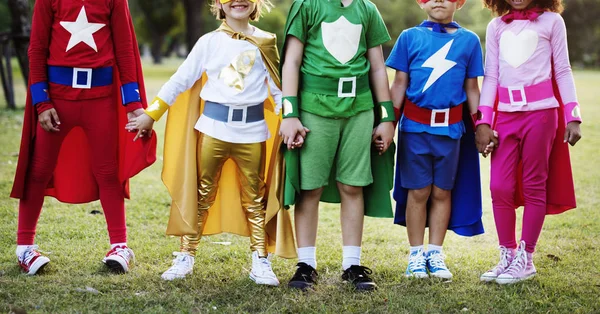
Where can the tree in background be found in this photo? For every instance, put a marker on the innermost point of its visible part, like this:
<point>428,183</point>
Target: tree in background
<point>154,20</point>
<point>20,30</point>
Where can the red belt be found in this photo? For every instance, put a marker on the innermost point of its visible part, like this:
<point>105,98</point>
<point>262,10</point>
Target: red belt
<point>433,117</point>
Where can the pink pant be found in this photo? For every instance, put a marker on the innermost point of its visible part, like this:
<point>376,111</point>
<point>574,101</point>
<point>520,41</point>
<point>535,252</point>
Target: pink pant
<point>525,136</point>
<point>98,119</point>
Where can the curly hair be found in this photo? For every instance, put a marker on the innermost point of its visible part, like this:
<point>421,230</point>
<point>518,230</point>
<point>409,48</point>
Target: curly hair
<point>262,6</point>
<point>502,7</point>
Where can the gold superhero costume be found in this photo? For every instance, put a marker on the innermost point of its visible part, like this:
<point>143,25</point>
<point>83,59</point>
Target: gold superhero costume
<point>180,172</point>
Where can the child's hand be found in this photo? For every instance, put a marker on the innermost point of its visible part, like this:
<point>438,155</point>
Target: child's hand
<point>142,124</point>
<point>299,140</point>
<point>485,139</point>
<point>383,135</point>
<point>572,133</point>
<point>290,129</point>
<point>135,113</point>
<point>49,120</point>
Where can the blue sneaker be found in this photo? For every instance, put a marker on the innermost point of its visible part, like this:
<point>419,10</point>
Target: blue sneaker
<point>436,266</point>
<point>416,265</point>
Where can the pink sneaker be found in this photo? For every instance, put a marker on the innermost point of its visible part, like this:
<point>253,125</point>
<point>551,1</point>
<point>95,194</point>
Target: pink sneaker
<point>32,261</point>
<point>506,257</point>
<point>118,258</point>
<point>521,268</point>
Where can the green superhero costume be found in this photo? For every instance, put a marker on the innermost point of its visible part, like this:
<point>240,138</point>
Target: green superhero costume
<point>334,83</point>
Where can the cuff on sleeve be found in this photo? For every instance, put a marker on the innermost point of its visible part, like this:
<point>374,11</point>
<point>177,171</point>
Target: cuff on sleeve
<point>572,112</point>
<point>290,107</point>
<point>39,93</point>
<point>130,92</point>
<point>485,115</point>
<point>387,111</point>
<point>157,108</point>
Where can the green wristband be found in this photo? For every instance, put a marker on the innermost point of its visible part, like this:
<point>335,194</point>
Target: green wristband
<point>290,107</point>
<point>387,111</point>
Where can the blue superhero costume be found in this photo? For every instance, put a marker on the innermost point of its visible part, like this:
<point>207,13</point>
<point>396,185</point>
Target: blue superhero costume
<point>438,64</point>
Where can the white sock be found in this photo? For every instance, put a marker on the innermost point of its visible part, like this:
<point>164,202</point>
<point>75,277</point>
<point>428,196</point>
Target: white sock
<point>112,246</point>
<point>21,249</point>
<point>415,248</point>
<point>351,256</point>
<point>308,255</point>
<point>432,247</point>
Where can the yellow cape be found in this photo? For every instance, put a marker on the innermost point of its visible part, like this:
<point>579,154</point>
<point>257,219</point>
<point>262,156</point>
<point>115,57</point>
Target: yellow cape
<point>180,174</point>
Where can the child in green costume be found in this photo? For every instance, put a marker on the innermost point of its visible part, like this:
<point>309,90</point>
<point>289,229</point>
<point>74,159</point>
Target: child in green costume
<point>332,67</point>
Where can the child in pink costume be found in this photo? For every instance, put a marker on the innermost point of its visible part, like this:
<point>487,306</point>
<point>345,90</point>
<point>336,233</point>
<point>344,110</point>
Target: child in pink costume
<point>527,72</point>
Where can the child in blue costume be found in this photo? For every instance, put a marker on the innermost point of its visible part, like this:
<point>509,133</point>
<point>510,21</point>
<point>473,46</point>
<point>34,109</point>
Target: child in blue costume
<point>437,174</point>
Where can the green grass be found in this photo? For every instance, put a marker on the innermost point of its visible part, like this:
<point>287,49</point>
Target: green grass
<point>568,258</point>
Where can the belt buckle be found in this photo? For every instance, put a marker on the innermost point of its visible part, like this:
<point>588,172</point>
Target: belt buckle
<point>231,113</point>
<point>341,82</point>
<point>434,113</point>
<point>88,83</point>
<point>511,96</point>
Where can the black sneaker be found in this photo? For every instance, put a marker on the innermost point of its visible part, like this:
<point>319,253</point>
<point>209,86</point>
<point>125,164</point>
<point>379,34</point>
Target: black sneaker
<point>359,277</point>
<point>304,278</point>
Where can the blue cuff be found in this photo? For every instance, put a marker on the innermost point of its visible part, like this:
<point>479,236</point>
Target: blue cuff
<point>39,93</point>
<point>130,92</point>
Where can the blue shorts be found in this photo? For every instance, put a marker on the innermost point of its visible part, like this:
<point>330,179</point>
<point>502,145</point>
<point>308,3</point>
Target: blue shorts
<point>427,159</point>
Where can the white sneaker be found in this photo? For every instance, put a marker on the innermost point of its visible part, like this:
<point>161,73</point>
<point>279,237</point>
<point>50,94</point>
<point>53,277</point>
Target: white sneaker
<point>506,257</point>
<point>118,258</point>
<point>183,265</point>
<point>417,265</point>
<point>31,260</point>
<point>261,272</point>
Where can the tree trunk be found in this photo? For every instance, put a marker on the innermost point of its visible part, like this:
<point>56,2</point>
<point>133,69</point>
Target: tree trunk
<point>156,48</point>
<point>21,28</point>
<point>193,21</point>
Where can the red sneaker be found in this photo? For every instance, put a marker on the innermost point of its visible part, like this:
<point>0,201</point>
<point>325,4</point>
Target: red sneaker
<point>118,258</point>
<point>32,261</point>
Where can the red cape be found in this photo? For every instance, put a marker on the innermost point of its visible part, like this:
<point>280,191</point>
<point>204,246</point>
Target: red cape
<point>560,190</point>
<point>73,180</point>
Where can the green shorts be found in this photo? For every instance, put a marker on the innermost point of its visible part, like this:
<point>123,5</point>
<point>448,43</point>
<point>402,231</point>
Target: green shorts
<point>339,147</point>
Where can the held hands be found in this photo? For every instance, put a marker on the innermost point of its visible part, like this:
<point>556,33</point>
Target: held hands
<point>293,132</point>
<point>49,120</point>
<point>141,122</point>
<point>486,139</point>
<point>383,135</point>
<point>572,133</point>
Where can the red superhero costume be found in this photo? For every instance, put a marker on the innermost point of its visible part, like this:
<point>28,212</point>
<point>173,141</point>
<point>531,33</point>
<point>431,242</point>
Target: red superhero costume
<point>84,63</point>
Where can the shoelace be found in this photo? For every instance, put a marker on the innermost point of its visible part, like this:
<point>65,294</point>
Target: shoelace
<point>265,264</point>
<point>417,261</point>
<point>126,252</point>
<point>362,271</point>
<point>181,257</point>
<point>519,263</point>
<point>504,253</point>
<point>437,260</point>
<point>29,254</point>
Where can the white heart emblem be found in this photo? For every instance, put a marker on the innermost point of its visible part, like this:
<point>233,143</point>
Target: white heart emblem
<point>517,49</point>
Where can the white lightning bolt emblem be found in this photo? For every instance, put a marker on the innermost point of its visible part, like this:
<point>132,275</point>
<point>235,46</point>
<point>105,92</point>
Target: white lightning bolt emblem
<point>439,64</point>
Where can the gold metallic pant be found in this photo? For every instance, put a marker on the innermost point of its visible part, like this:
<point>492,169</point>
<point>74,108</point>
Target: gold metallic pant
<point>250,160</point>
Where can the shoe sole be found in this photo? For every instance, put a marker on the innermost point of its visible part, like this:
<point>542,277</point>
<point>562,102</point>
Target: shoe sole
<point>177,277</point>
<point>487,279</point>
<point>38,265</point>
<point>418,276</point>
<point>508,281</point>
<point>441,276</point>
<point>116,266</point>
<point>265,283</point>
<point>304,286</point>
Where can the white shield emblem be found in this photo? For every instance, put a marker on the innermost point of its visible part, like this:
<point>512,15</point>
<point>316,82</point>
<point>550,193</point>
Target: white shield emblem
<point>341,39</point>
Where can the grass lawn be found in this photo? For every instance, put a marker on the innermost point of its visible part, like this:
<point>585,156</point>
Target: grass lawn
<point>568,258</point>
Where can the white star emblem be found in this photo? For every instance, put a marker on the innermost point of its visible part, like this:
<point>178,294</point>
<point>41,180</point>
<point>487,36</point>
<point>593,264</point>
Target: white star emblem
<point>82,31</point>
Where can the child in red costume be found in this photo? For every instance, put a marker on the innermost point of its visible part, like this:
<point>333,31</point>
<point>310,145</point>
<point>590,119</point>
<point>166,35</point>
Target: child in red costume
<point>85,82</point>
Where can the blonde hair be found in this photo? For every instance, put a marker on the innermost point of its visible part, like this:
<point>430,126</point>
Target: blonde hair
<point>262,6</point>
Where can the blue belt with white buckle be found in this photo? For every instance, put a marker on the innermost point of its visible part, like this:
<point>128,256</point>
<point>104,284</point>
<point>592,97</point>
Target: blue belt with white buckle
<point>83,78</point>
<point>231,114</point>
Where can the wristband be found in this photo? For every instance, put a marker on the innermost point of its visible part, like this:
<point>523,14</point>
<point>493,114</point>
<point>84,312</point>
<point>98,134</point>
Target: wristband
<point>130,92</point>
<point>157,108</point>
<point>290,107</point>
<point>387,111</point>
<point>39,93</point>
